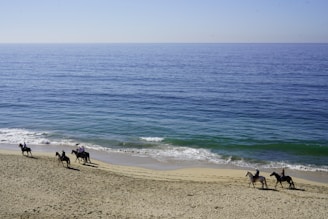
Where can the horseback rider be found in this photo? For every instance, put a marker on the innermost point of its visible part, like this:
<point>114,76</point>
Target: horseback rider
<point>63,154</point>
<point>257,174</point>
<point>282,174</point>
<point>81,149</point>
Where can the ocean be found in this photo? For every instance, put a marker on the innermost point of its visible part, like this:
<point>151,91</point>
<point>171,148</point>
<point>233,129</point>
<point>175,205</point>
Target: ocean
<point>246,105</point>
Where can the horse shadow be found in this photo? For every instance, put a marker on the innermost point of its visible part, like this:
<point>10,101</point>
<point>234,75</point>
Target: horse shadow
<point>72,168</point>
<point>94,165</point>
<point>276,190</point>
<point>268,189</point>
<point>31,157</point>
<point>296,189</point>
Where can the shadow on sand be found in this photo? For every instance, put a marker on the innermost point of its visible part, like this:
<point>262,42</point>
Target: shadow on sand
<point>268,189</point>
<point>296,189</point>
<point>275,190</point>
<point>32,157</point>
<point>94,165</point>
<point>72,168</point>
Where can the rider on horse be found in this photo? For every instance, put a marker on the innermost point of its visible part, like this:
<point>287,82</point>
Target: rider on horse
<point>63,154</point>
<point>257,174</point>
<point>283,173</point>
<point>80,149</point>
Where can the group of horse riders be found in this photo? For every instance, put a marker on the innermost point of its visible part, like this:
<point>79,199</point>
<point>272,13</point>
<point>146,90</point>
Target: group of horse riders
<point>80,152</point>
<point>257,174</point>
<point>280,178</point>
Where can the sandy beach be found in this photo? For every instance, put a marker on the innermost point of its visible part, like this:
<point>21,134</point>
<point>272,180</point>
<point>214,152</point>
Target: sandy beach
<point>40,187</point>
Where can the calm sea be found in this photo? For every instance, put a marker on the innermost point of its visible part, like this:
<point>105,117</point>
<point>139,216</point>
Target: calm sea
<point>249,105</point>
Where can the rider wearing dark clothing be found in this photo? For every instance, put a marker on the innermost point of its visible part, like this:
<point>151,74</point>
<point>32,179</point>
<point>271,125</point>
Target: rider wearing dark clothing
<point>257,174</point>
<point>63,154</point>
<point>283,173</point>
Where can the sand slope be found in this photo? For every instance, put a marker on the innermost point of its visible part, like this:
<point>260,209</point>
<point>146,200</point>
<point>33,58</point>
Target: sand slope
<point>40,188</point>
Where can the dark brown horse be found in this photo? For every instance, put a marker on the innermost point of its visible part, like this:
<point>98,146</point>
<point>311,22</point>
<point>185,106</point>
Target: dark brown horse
<point>25,149</point>
<point>63,159</point>
<point>283,179</point>
<point>84,155</point>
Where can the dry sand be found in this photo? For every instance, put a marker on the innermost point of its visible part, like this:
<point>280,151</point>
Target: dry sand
<point>39,187</point>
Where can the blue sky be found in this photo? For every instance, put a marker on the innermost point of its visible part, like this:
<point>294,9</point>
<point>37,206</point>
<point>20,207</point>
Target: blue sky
<point>155,21</point>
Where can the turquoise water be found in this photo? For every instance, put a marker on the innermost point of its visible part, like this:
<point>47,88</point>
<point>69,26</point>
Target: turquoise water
<point>250,105</point>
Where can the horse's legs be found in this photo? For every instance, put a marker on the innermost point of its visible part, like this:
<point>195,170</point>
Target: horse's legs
<point>281,184</point>
<point>263,182</point>
<point>291,183</point>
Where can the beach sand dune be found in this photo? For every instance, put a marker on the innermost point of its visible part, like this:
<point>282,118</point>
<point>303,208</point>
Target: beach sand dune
<point>39,187</point>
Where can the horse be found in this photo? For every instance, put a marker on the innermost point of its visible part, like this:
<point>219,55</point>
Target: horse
<point>253,179</point>
<point>27,149</point>
<point>84,155</point>
<point>282,179</point>
<point>63,158</point>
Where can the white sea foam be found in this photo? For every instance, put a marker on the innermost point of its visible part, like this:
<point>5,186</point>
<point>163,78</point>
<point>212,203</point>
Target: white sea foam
<point>152,139</point>
<point>300,167</point>
<point>167,153</point>
<point>162,152</point>
<point>16,136</point>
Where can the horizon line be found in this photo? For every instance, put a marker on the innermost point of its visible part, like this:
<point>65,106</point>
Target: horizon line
<point>163,42</point>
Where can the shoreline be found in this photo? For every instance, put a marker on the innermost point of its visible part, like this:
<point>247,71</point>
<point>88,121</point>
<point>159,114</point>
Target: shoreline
<point>153,166</point>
